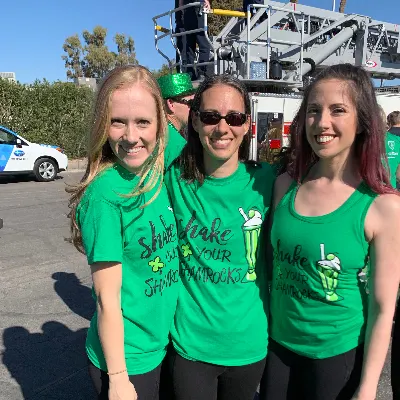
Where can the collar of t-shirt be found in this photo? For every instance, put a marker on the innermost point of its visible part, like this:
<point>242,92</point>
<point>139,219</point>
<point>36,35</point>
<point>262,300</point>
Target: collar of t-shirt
<point>395,130</point>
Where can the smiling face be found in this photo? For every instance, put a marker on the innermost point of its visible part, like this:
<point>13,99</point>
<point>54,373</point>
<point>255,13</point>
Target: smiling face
<point>133,126</point>
<point>221,141</point>
<point>331,121</point>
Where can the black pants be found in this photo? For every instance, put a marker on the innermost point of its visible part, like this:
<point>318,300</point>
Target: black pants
<point>146,385</point>
<point>195,380</point>
<point>396,356</point>
<point>181,45</point>
<point>193,21</point>
<point>289,376</point>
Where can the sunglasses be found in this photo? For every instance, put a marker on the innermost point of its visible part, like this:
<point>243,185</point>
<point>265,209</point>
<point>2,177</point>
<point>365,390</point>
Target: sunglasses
<point>184,101</point>
<point>213,118</point>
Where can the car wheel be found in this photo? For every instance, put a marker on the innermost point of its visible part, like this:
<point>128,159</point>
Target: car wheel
<point>45,170</point>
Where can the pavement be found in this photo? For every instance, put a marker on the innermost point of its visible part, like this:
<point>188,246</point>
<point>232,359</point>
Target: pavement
<point>45,296</point>
<point>77,165</point>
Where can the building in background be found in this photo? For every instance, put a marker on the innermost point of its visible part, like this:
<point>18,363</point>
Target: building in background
<point>89,82</point>
<point>10,76</point>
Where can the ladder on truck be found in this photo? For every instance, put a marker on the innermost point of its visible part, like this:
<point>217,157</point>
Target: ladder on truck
<point>276,48</point>
<point>283,44</point>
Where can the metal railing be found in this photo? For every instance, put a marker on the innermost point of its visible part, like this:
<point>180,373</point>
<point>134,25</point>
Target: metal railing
<point>169,32</point>
<point>172,34</point>
<point>270,41</point>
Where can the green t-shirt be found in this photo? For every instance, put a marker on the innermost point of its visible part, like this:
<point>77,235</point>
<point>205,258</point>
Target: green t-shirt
<point>319,286</point>
<point>392,144</point>
<point>220,317</point>
<point>144,241</point>
<point>175,144</point>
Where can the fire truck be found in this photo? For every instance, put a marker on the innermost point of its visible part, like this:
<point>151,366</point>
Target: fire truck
<point>277,48</point>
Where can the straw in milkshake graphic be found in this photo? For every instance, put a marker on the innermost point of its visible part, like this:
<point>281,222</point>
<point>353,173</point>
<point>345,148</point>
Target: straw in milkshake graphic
<point>251,231</point>
<point>329,270</point>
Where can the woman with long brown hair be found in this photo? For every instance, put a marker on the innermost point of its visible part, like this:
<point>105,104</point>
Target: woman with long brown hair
<point>335,238</point>
<point>220,200</point>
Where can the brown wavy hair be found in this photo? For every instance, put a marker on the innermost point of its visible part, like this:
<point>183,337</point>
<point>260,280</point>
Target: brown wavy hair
<point>99,153</point>
<point>191,159</point>
<point>369,148</point>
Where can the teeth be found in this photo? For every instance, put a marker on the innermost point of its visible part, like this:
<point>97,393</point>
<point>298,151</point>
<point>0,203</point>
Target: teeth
<point>221,141</point>
<point>324,139</point>
<point>133,150</point>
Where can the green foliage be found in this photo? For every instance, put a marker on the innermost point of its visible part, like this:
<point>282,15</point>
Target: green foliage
<point>126,50</point>
<point>50,113</point>
<point>217,22</point>
<point>94,59</point>
<point>164,70</point>
<point>73,63</point>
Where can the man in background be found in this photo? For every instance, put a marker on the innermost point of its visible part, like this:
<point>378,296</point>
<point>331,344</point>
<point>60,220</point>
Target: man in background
<point>194,19</point>
<point>177,91</point>
<point>393,121</point>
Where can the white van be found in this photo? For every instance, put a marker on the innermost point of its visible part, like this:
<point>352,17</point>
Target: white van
<point>19,156</point>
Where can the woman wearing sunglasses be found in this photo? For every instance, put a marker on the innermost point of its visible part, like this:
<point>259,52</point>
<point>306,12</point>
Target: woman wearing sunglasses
<point>220,202</point>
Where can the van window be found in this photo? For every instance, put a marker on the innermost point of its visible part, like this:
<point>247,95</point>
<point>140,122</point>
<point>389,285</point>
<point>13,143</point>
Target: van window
<point>7,138</point>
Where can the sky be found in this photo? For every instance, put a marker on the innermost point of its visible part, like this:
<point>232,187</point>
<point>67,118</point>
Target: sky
<point>33,32</point>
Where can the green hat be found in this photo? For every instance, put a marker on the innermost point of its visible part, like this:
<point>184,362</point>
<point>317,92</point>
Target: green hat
<point>174,85</point>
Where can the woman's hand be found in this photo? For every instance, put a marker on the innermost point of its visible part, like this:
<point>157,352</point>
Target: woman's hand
<point>121,388</point>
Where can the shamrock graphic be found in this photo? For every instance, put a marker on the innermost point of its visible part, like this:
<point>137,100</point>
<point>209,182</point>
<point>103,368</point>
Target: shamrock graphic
<point>156,265</point>
<point>187,252</point>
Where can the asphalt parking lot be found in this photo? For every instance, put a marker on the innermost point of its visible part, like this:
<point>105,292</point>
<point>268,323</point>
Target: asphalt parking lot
<point>45,297</point>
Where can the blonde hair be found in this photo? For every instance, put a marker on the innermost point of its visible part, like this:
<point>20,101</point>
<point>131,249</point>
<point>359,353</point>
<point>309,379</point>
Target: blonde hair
<point>99,153</point>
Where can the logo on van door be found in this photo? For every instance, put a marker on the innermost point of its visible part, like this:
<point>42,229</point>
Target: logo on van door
<point>19,153</point>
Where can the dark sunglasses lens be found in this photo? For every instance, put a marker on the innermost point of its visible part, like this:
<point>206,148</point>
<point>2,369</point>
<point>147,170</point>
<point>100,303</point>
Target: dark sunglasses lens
<point>189,103</point>
<point>235,119</point>
<point>210,118</point>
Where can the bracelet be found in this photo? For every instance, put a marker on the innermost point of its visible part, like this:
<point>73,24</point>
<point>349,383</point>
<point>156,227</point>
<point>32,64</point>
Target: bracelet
<point>116,373</point>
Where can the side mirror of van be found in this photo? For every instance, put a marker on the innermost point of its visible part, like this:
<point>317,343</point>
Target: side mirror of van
<point>19,143</point>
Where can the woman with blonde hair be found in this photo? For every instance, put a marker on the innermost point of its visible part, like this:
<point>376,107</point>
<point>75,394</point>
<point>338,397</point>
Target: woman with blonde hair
<point>121,219</point>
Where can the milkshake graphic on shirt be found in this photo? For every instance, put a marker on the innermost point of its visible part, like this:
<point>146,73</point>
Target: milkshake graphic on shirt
<point>251,232</point>
<point>329,268</point>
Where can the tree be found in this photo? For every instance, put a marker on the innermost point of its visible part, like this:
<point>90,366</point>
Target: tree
<point>217,22</point>
<point>94,59</point>
<point>98,60</point>
<point>73,59</point>
<point>164,70</point>
<point>342,6</point>
<point>126,50</point>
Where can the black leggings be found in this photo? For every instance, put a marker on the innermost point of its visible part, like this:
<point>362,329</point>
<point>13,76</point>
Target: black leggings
<point>396,356</point>
<point>195,380</point>
<point>289,376</point>
<point>146,385</point>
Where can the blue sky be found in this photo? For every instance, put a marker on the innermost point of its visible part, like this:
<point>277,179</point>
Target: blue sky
<point>33,32</point>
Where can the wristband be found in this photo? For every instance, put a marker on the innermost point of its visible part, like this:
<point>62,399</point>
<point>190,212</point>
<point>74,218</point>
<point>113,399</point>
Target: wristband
<point>116,373</point>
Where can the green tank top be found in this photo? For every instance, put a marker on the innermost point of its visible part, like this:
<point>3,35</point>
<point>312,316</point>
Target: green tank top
<point>319,287</point>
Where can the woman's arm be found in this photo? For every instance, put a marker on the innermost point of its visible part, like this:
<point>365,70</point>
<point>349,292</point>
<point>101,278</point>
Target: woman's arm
<point>383,223</point>
<point>107,280</point>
